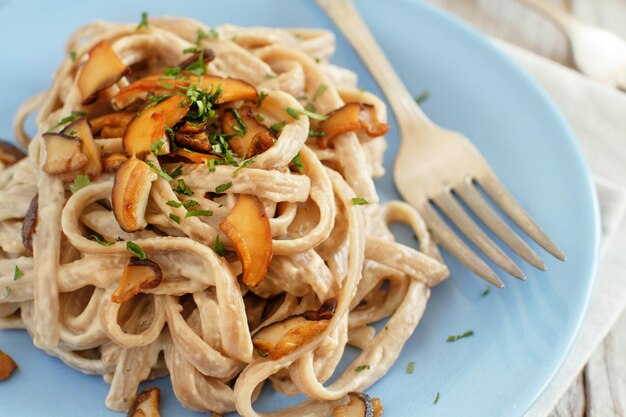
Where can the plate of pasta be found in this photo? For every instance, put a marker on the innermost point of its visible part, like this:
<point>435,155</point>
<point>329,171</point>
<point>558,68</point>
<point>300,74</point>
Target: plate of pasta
<point>197,217</point>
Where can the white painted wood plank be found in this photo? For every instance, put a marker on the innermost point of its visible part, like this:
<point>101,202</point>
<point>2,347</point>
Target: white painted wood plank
<point>573,402</point>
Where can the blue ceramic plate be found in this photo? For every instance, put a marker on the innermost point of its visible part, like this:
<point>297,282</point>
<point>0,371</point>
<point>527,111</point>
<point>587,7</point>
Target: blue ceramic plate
<point>522,333</point>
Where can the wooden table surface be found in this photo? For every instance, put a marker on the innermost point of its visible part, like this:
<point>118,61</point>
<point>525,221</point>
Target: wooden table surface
<point>600,390</point>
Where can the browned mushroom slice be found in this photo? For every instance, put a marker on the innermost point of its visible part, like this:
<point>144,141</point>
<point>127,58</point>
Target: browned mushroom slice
<point>113,161</point>
<point>118,119</point>
<point>131,190</point>
<point>191,128</point>
<point>282,338</point>
<point>9,154</point>
<point>139,275</point>
<point>102,70</point>
<point>7,366</point>
<point>109,132</point>
<point>191,156</point>
<point>63,154</point>
<point>232,89</point>
<point>359,405</point>
<point>350,118</point>
<point>29,226</point>
<point>199,142</point>
<point>248,228</point>
<point>325,312</point>
<point>149,126</point>
<point>80,128</point>
<point>251,137</point>
<point>146,404</point>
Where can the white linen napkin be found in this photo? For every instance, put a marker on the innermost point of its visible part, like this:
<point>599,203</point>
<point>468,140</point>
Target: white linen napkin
<point>598,116</point>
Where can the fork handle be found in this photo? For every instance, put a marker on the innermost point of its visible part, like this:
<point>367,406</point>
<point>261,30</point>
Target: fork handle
<point>564,21</point>
<point>347,19</point>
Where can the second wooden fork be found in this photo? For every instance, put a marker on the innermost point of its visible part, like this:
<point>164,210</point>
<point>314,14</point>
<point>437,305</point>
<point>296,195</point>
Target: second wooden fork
<point>436,167</point>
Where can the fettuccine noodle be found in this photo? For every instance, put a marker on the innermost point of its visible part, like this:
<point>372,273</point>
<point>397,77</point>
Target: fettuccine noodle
<point>198,325</point>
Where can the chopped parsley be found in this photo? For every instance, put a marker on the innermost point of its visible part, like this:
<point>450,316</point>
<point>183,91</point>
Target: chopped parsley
<point>310,107</point>
<point>173,203</point>
<point>317,60</point>
<point>155,148</point>
<point>81,181</point>
<point>181,188</point>
<point>460,336</point>
<point>218,246</point>
<point>244,164</point>
<point>159,171</point>
<point>143,24</point>
<point>486,292</point>
<point>319,91</point>
<point>242,129</point>
<point>260,117</point>
<point>410,367</point>
<point>223,187</point>
<point>198,213</point>
<point>262,96</point>
<point>154,100</point>
<point>269,76</point>
<point>190,203</point>
<point>437,398</point>
<point>73,55</point>
<point>316,133</point>
<point>72,133</point>
<point>422,97</point>
<point>197,67</point>
<point>362,368</point>
<point>175,218</point>
<point>136,250</point>
<point>67,119</point>
<point>294,113</point>
<point>297,162</point>
<point>359,201</point>
<point>262,354</point>
<point>211,164</point>
<point>297,36</point>
<point>171,72</point>
<point>177,171</point>
<point>101,241</point>
<point>277,127</point>
<point>18,273</point>
<point>7,293</point>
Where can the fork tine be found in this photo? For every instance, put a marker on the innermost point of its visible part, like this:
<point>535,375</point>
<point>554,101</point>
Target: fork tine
<point>448,204</point>
<point>488,215</point>
<point>514,210</point>
<point>457,248</point>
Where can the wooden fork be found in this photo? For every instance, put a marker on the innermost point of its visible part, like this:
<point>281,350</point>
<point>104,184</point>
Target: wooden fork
<point>436,167</point>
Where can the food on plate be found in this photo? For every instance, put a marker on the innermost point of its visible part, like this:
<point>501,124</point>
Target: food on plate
<point>7,366</point>
<point>146,404</point>
<point>199,203</point>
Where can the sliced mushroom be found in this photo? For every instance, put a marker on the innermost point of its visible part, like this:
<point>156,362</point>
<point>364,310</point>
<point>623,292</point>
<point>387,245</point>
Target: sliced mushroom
<point>131,190</point>
<point>80,128</point>
<point>139,275</point>
<point>191,128</point>
<point>29,226</point>
<point>113,161</point>
<point>359,405</point>
<point>118,119</point>
<point>146,404</point>
<point>282,338</point>
<point>198,142</point>
<point>191,156</point>
<point>350,118</point>
<point>63,154</point>
<point>325,312</point>
<point>7,366</point>
<point>9,154</point>
<point>248,228</point>
<point>256,139</point>
<point>109,132</point>
<point>149,126</point>
<point>102,70</point>
<point>232,88</point>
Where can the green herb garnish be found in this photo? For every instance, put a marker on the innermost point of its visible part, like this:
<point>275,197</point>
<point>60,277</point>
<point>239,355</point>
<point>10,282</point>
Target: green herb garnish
<point>294,113</point>
<point>18,273</point>
<point>173,203</point>
<point>359,201</point>
<point>310,107</point>
<point>223,187</point>
<point>198,213</point>
<point>297,162</point>
<point>422,97</point>
<point>154,100</point>
<point>181,188</point>
<point>244,164</point>
<point>67,119</point>
<point>262,96</point>
<point>460,336</point>
<point>316,133</point>
<point>486,292</point>
<point>269,76</point>
<point>177,171</point>
<point>361,368</point>
<point>436,398</point>
<point>175,218</point>
<point>218,246</point>
<point>155,148</point>
<point>242,129</point>
<point>101,241</point>
<point>319,91</point>
<point>159,171</point>
<point>277,127</point>
<point>136,250</point>
<point>81,181</point>
<point>73,55</point>
<point>260,117</point>
<point>143,24</point>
